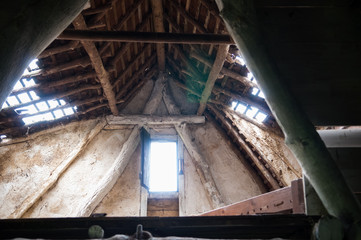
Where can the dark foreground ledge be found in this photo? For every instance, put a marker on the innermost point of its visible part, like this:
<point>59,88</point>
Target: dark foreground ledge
<point>229,227</point>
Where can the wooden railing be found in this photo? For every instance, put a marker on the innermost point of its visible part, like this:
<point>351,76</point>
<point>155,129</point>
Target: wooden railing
<point>284,200</point>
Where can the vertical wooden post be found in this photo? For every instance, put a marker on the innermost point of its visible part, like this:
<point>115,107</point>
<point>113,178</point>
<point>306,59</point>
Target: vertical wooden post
<point>301,136</point>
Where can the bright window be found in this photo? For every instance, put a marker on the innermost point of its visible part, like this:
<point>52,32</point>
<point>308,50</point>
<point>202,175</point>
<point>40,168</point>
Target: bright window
<point>163,166</point>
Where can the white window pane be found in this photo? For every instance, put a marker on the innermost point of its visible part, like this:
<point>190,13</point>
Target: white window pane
<point>68,111</point>
<point>249,75</point>
<point>24,97</point>
<point>42,106</point>
<point>58,113</point>
<point>28,82</point>
<point>240,61</point>
<point>241,108</point>
<point>261,117</point>
<point>163,166</point>
<point>18,85</point>
<point>27,110</point>
<point>234,104</point>
<point>5,105</point>
<point>53,103</point>
<point>254,90</point>
<point>34,95</point>
<point>12,100</point>
<point>251,112</point>
<point>261,95</point>
<point>34,64</point>
<point>3,136</point>
<point>48,116</point>
<point>62,102</point>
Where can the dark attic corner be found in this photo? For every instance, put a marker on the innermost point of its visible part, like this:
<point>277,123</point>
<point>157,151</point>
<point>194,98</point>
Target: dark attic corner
<point>184,119</point>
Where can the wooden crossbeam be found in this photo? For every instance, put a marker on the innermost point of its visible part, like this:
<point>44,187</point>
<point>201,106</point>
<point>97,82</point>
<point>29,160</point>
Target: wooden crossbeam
<point>154,120</point>
<point>146,37</point>
<point>157,10</point>
<point>212,77</point>
<point>284,200</point>
<point>103,75</point>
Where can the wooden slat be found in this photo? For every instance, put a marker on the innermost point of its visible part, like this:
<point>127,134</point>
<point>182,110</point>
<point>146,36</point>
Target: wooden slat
<point>285,200</point>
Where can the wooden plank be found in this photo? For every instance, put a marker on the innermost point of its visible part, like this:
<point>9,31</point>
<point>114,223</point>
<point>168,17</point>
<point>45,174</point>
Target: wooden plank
<point>212,77</point>
<point>298,197</point>
<point>97,62</point>
<point>288,199</point>
<point>157,10</point>
<point>276,201</point>
<point>145,37</point>
<point>163,204</point>
<point>154,120</point>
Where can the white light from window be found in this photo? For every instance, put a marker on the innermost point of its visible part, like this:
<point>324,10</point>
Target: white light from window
<point>53,103</point>
<point>42,106</point>
<point>68,111</point>
<point>163,167</point>
<point>241,108</point>
<point>12,100</point>
<point>24,97</point>
<point>240,61</point>
<point>5,105</point>
<point>34,95</point>
<point>255,91</point>
<point>18,85</point>
<point>249,76</point>
<point>261,95</point>
<point>261,117</point>
<point>33,65</point>
<point>251,112</point>
<point>58,113</point>
<point>28,82</point>
<point>3,136</point>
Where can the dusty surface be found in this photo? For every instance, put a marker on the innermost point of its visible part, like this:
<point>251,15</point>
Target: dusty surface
<point>24,167</point>
<point>230,172</point>
<point>124,198</point>
<point>273,149</point>
<point>81,178</point>
<point>195,199</point>
<point>136,105</point>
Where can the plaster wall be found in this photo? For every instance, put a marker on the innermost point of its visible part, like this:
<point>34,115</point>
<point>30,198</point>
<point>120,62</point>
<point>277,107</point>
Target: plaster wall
<point>25,166</point>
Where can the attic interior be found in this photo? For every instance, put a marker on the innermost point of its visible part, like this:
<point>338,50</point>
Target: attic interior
<point>255,100</point>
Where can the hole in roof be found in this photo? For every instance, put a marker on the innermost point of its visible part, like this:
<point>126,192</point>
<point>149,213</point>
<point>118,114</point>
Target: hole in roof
<point>257,92</point>
<point>249,111</point>
<point>30,104</point>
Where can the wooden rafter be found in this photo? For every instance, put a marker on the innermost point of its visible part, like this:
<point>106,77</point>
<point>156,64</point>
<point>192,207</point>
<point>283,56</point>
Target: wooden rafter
<point>103,75</point>
<point>154,120</point>
<point>157,9</point>
<point>146,37</point>
<point>266,172</point>
<point>212,77</point>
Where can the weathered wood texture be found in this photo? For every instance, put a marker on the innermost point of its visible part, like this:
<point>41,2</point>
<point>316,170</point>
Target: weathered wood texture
<point>266,173</point>
<point>97,62</point>
<point>285,200</point>
<point>301,137</point>
<point>163,207</point>
<point>212,77</point>
<point>41,22</point>
<point>157,10</point>
<point>145,37</point>
<point>156,95</point>
<point>154,120</point>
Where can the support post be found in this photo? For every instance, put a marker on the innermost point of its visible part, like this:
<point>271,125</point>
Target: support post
<point>212,77</point>
<point>301,136</point>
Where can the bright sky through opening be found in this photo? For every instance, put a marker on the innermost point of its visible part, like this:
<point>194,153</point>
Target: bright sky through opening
<point>163,167</point>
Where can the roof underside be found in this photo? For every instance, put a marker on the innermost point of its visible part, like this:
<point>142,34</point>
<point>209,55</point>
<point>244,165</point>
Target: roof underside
<point>67,70</point>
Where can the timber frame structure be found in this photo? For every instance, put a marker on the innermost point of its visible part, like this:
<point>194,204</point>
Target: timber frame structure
<point>109,49</point>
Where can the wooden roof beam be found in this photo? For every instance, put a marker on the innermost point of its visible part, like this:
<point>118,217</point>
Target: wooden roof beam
<point>224,70</point>
<point>158,22</point>
<point>146,37</point>
<point>212,77</point>
<point>103,75</point>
